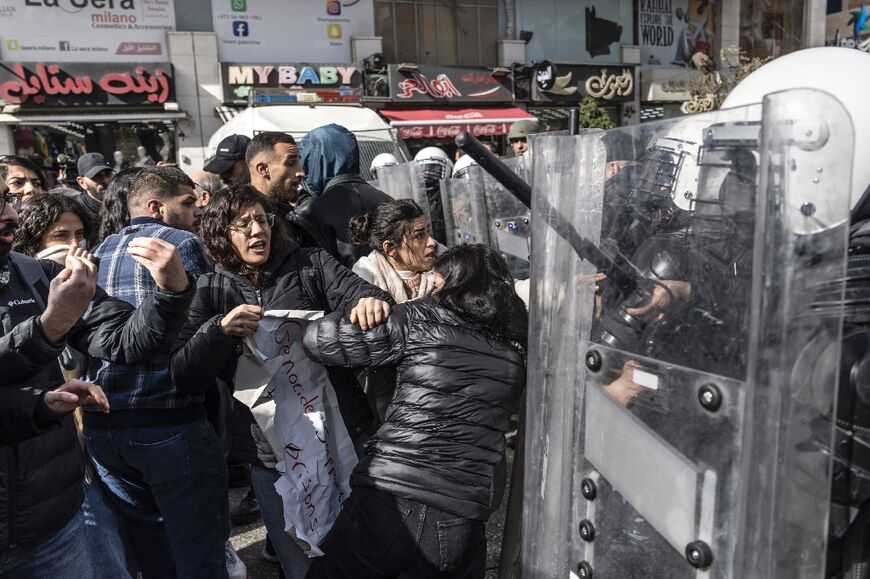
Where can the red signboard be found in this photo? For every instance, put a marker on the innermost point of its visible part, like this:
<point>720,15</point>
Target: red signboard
<point>447,123</point>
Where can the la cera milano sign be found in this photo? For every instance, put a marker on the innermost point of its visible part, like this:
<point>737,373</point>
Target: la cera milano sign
<point>239,79</point>
<point>86,84</point>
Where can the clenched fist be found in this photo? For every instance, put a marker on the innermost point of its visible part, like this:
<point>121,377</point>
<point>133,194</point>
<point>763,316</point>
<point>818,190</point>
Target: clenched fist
<point>242,320</point>
<point>69,294</point>
<point>369,312</point>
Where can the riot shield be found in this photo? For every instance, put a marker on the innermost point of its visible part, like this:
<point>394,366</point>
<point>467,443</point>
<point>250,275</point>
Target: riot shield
<point>680,413</point>
<point>508,220</point>
<point>463,200</point>
<point>404,181</point>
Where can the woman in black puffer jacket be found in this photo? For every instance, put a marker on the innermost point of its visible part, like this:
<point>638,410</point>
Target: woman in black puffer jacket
<point>424,489</point>
<point>258,270</point>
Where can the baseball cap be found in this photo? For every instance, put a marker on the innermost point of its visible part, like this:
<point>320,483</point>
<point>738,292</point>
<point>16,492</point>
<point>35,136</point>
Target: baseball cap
<point>524,128</point>
<point>229,151</point>
<point>90,164</point>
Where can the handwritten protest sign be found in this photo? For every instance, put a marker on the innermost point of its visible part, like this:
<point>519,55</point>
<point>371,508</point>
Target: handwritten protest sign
<point>295,405</point>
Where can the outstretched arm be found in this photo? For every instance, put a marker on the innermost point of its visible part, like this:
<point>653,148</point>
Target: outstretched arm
<point>336,341</point>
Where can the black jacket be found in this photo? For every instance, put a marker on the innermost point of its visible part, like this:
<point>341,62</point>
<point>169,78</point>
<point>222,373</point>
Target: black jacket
<point>23,415</point>
<point>41,478</point>
<point>293,278</point>
<point>456,389</point>
<point>327,217</point>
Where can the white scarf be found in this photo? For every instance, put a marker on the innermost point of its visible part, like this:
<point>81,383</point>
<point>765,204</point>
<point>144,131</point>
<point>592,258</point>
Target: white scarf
<point>376,269</point>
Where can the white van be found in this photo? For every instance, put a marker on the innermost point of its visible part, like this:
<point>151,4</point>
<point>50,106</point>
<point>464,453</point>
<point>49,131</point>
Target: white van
<point>374,134</point>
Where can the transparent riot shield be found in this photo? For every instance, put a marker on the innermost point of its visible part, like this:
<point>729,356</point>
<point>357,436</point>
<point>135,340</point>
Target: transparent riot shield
<point>465,218</point>
<point>404,181</point>
<point>508,220</point>
<point>679,412</point>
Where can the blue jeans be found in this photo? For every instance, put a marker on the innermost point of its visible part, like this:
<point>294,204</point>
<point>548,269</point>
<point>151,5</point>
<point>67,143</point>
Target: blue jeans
<point>103,533</point>
<point>169,486</point>
<point>378,535</point>
<point>66,555</point>
<point>293,559</point>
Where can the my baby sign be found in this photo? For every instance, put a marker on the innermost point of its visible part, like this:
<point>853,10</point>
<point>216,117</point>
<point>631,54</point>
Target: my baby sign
<point>296,407</point>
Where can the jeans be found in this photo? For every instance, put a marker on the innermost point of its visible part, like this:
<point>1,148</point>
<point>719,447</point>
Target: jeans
<point>378,536</point>
<point>66,555</point>
<point>102,532</point>
<point>293,559</point>
<point>169,486</point>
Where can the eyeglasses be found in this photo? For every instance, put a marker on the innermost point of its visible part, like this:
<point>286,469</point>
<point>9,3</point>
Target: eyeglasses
<point>13,199</point>
<point>245,224</point>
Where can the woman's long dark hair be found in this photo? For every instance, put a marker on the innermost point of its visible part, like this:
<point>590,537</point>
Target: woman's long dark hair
<point>389,221</point>
<point>114,215</point>
<point>214,229</point>
<point>479,288</point>
<point>38,213</point>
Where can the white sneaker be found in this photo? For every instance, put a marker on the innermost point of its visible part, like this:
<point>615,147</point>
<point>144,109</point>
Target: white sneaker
<point>235,567</point>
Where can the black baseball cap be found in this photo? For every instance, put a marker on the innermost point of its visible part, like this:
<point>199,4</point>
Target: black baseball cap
<point>90,164</point>
<point>229,151</point>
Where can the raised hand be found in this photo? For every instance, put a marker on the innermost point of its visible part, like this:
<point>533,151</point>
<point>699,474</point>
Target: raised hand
<point>369,312</point>
<point>242,321</point>
<point>161,259</point>
<point>69,294</point>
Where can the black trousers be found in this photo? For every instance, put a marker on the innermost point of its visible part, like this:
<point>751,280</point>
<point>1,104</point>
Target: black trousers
<point>378,535</point>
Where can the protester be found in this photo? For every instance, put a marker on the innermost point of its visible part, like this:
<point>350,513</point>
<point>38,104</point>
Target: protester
<point>229,161</point>
<point>273,161</point>
<point>330,160</point>
<point>257,270</point>
<point>401,260</point>
<point>159,459</point>
<point>21,175</point>
<point>519,133</point>
<point>114,215</point>
<point>48,307</point>
<point>207,185</point>
<point>94,176</point>
<point>424,490</point>
<point>49,224</point>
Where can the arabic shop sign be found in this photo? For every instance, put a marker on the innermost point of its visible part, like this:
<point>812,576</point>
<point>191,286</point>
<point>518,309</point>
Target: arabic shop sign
<point>81,85</point>
<point>329,82</point>
<point>570,83</point>
<point>449,84</point>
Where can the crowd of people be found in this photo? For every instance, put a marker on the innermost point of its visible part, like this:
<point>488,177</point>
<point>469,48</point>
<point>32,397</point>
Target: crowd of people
<point>125,302</point>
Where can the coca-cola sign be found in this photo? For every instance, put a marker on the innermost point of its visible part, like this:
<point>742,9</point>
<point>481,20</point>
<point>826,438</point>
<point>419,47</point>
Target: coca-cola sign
<point>450,131</point>
<point>451,84</point>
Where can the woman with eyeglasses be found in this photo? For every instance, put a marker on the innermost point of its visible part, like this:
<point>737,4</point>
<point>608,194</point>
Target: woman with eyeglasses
<point>258,269</point>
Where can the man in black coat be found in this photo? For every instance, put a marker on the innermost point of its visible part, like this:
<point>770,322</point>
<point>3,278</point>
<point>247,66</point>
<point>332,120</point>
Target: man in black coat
<point>330,160</point>
<point>42,308</point>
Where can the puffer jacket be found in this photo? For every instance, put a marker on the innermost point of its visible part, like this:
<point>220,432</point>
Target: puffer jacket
<point>456,389</point>
<point>293,278</point>
<point>41,478</point>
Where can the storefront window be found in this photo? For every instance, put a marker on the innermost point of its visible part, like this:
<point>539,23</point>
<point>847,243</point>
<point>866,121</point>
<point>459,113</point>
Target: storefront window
<point>464,33</point>
<point>122,144</point>
<point>771,28</point>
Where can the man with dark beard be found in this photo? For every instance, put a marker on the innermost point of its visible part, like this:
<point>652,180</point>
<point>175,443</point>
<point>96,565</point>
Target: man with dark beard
<point>43,307</point>
<point>162,463</point>
<point>94,176</point>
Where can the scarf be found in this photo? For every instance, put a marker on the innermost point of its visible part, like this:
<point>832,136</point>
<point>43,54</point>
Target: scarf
<point>376,269</point>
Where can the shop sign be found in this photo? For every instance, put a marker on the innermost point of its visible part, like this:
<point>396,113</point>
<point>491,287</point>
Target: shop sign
<point>449,84</point>
<point>80,85</point>
<point>571,83</point>
<point>450,131</point>
<point>671,31</point>
<point>333,82</point>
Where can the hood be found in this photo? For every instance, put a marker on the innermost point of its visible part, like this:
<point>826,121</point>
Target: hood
<point>326,152</point>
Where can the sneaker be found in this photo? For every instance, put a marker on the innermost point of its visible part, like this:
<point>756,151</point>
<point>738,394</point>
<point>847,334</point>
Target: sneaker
<point>268,552</point>
<point>235,567</point>
<point>247,511</point>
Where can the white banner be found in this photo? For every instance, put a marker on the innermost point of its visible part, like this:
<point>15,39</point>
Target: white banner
<point>314,31</point>
<point>85,30</point>
<point>295,406</point>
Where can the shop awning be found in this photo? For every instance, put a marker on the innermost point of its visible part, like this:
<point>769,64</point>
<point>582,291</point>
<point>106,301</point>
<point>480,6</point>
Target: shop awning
<point>447,123</point>
<point>108,117</point>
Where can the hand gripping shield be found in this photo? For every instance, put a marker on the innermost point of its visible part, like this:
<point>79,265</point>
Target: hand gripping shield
<point>678,412</point>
